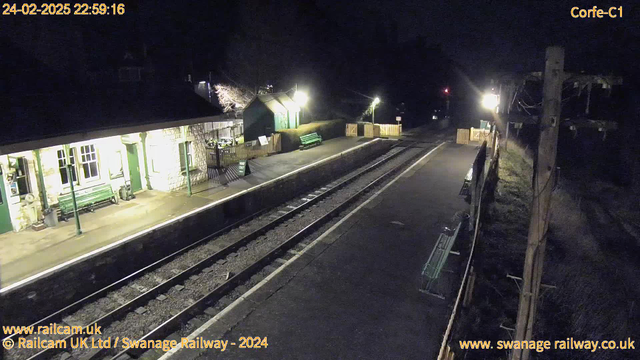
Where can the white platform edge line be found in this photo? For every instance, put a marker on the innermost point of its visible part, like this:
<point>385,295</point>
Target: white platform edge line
<point>244,296</point>
<point>178,218</point>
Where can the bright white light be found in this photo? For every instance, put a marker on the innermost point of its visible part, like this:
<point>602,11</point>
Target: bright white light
<point>300,98</point>
<point>490,101</point>
<point>376,101</point>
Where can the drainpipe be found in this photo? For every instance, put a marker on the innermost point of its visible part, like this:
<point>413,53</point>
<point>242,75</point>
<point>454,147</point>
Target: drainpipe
<point>73,192</point>
<point>43,191</point>
<point>143,138</point>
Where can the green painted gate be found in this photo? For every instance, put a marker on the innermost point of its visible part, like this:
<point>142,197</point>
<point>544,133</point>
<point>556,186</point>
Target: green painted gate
<point>5,217</point>
<point>134,167</point>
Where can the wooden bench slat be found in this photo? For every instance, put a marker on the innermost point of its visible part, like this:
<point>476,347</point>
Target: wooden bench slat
<point>85,197</point>
<point>439,255</point>
<point>310,139</point>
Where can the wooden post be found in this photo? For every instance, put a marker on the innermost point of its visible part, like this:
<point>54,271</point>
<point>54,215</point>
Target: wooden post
<point>542,188</point>
<point>468,294</point>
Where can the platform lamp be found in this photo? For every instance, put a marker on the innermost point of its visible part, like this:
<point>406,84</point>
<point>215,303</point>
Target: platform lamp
<point>69,168</point>
<point>375,102</point>
<point>185,145</point>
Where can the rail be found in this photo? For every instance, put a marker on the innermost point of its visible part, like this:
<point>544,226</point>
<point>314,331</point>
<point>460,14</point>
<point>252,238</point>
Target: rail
<point>178,278</point>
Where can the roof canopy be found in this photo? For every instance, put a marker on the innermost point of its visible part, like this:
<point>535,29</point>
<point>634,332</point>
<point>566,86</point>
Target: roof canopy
<point>46,116</point>
<point>277,102</point>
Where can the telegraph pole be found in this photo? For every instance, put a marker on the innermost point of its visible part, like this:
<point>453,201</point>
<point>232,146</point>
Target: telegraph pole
<point>543,179</point>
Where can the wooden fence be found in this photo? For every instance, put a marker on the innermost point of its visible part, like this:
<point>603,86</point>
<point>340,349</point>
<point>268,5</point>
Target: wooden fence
<point>479,135</point>
<point>390,130</point>
<point>250,150</point>
<point>377,130</point>
<point>351,130</point>
<point>483,184</point>
<point>462,136</point>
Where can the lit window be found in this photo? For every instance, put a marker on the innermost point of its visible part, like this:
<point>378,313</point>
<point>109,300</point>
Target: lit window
<point>62,166</point>
<point>89,160</point>
<point>189,155</point>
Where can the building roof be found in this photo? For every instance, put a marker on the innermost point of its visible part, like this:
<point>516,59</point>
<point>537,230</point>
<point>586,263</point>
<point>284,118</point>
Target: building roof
<point>33,118</point>
<point>277,102</point>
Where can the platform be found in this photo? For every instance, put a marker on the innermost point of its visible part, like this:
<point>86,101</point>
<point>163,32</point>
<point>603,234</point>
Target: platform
<point>354,292</point>
<point>30,252</point>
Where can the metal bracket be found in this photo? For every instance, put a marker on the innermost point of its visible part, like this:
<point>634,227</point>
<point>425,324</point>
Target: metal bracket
<point>517,278</point>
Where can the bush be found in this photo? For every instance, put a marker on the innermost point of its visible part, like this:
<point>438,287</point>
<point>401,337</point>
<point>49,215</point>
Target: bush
<point>328,129</point>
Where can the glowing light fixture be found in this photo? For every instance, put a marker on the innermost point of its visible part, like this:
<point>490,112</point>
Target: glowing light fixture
<point>376,101</point>
<point>300,98</point>
<point>490,101</point>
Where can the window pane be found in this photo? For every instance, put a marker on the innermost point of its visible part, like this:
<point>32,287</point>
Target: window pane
<point>23,186</point>
<point>181,153</point>
<point>63,176</point>
<point>85,168</point>
<point>94,169</point>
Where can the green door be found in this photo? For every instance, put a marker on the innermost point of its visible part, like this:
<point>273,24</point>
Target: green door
<point>5,218</point>
<point>134,167</point>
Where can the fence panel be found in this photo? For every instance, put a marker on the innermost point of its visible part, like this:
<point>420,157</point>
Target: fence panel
<point>390,130</point>
<point>463,136</point>
<point>351,130</point>
<point>480,135</point>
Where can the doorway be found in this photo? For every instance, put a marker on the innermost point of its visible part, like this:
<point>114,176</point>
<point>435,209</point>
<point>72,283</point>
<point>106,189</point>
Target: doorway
<point>134,167</point>
<point>5,217</point>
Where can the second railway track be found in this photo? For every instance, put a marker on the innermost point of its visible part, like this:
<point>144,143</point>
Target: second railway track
<point>155,301</point>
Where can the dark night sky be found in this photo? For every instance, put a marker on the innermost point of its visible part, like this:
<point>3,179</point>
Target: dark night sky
<point>505,35</point>
<point>283,42</point>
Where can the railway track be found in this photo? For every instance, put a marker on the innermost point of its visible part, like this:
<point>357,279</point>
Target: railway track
<point>212,269</point>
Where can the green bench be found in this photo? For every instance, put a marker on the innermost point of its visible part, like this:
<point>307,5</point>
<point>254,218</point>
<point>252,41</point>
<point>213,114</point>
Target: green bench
<point>432,269</point>
<point>310,140</point>
<point>86,198</point>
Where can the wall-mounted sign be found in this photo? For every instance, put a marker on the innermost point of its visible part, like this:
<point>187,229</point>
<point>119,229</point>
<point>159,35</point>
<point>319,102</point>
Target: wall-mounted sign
<point>263,140</point>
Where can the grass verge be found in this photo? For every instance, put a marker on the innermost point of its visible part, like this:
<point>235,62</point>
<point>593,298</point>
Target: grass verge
<point>597,282</point>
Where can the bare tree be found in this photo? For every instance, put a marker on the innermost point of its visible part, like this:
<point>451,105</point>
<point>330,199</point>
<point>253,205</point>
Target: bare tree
<point>233,98</point>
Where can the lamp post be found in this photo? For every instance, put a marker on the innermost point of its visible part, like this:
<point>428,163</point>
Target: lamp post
<point>446,94</point>
<point>375,102</point>
<point>70,169</point>
<point>184,130</point>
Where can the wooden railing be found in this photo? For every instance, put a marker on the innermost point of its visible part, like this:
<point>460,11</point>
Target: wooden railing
<point>250,150</point>
<point>483,183</point>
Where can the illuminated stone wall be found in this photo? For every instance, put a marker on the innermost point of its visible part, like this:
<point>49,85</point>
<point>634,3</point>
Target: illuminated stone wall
<point>163,152</point>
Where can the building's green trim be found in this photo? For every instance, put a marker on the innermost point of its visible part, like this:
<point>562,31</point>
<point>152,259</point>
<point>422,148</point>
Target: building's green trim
<point>143,138</point>
<point>73,192</point>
